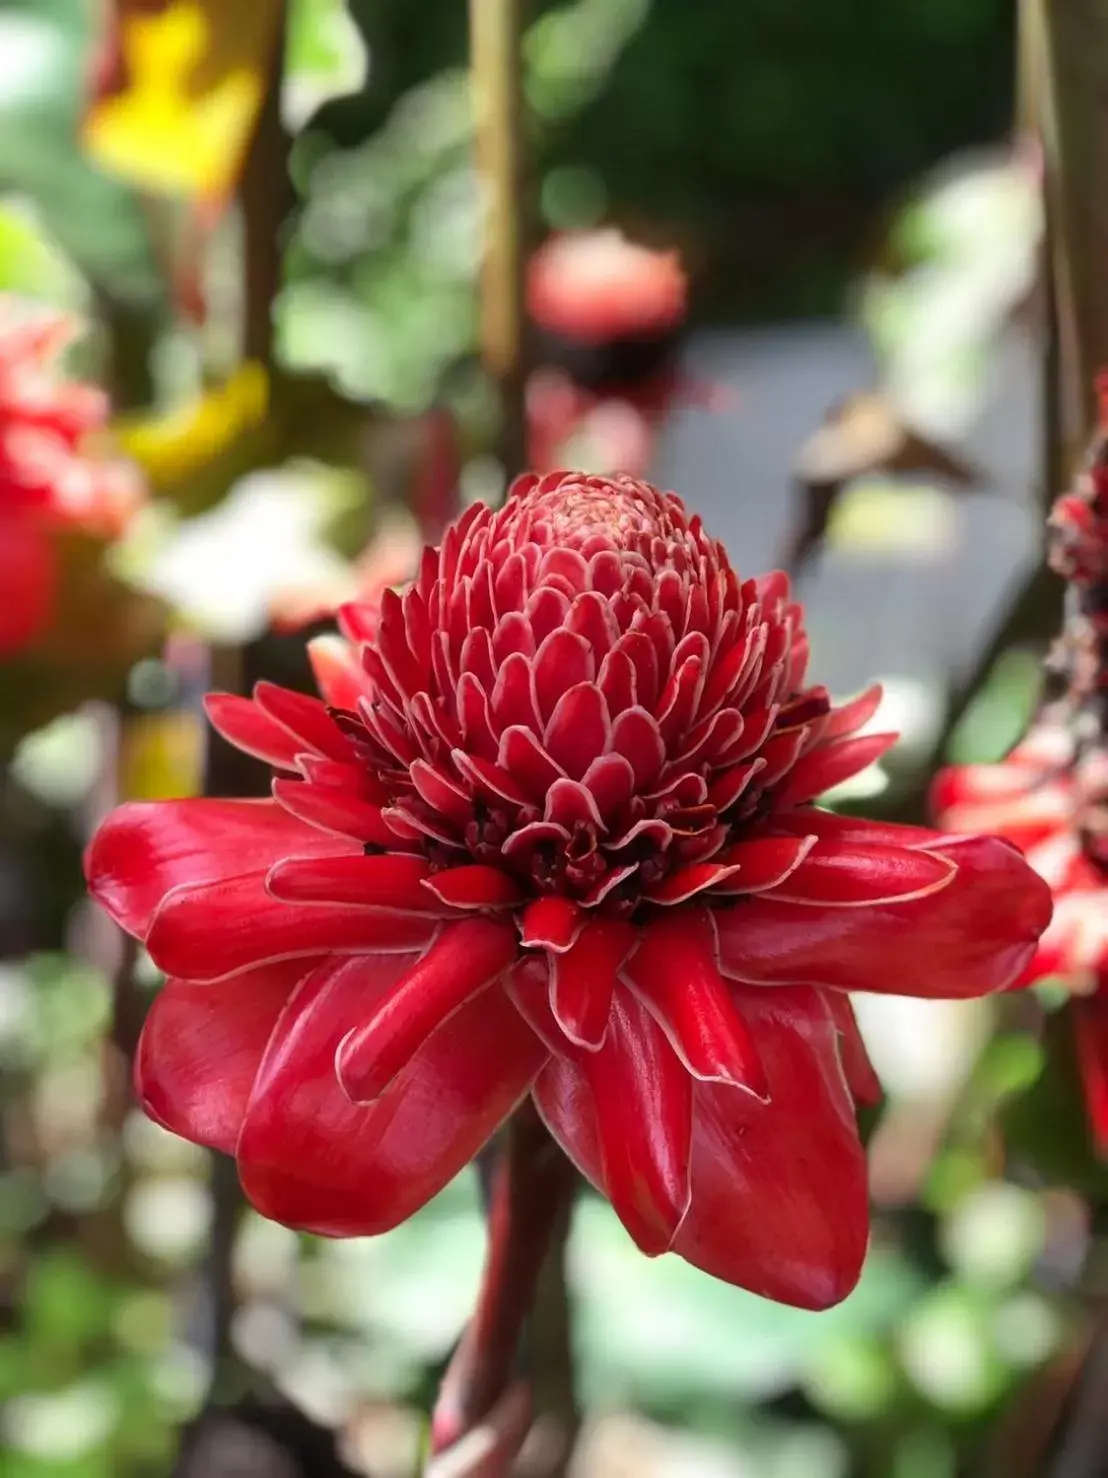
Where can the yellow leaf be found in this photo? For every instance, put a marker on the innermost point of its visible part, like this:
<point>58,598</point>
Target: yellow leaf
<point>185,81</point>
<point>174,449</point>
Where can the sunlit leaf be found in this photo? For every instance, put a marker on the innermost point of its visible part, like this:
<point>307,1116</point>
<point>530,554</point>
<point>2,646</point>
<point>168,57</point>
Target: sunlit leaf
<point>30,263</point>
<point>44,62</point>
<point>325,57</point>
<point>194,452</point>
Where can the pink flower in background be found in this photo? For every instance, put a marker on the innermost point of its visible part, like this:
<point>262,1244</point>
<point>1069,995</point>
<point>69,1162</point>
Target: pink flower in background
<point>51,478</point>
<point>1034,797</point>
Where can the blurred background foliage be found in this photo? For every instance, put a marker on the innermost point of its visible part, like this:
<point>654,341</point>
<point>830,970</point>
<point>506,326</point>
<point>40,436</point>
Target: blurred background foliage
<point>778,145</point>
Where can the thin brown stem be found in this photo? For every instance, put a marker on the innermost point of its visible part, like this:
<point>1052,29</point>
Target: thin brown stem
<point>267,197</point>
<point>495,29</point>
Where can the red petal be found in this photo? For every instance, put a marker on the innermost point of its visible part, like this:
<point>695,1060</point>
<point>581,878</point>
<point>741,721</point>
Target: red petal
<point>853,715</point>
<point>312,1159</point>
<point>642,1112</point>
<point>338,672</point>
<point>1090,1025</point>
<point>394,881</point>
<point>830,765</point>
<point>764,862</point>
<point>488,779</point>
<point>861,1078</point>
<point>243,724</point>
<point>969,939</point>
<point>305,718</point>
<point>29,580</point>
<point>475,886</point>
<point>687,882</point>
<point>579,729</point>
<point>612,783</point>
<point>464,959</point>
<point>145,849</point>
<point>635,735</point>
<point>525,759</point>
<point>617,681</point>
<point>222,928</point>
<point>441,792</point>
<point>357,621</point>
<point>844,878</point>
<point>201,1047</point>
<point>337,812</point>
<point>584,977</point>
<point>779,1192</point>
<point>569,802</point>
<point>551,923</point>
<point>562,661</point>
<point>513,700</point>
<point>674,970</point>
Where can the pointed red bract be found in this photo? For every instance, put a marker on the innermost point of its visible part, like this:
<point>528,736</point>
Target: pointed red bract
<point>551,826</point>
<point>1035,797</point>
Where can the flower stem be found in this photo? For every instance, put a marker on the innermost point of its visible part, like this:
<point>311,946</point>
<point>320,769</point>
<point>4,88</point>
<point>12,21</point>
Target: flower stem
<point>532,1194</point>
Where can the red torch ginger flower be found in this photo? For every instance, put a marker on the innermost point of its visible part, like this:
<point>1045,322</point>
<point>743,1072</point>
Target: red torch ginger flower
<point>551,831</point>
<point>48,481</point>
<point>596,286</point>
<point>1038,799</point>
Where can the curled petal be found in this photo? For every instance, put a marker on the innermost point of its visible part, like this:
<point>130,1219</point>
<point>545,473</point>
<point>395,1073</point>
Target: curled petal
<point>475,886</point>
<point>144,850</point>
<point>370,881</point>
<point>973,937</point>
<point>201,1047</point>
<point>855,714</point>
<point>551,923</point>
<point>829,765</point>
<point>841,878</point>
<point>248,727</point>
<point>212,930</point>
<point>335,812</point>
<point>686,882</point>
<point>674,971</point>
<point>763,863</point>
<point>464,959</point>
<point>779,1194</point>
<point>338,672</point>
<point>641,1101</point>
<point>583,979</point>
<point>861,1078</point>
<point>1090,1026</point>
<point>305,718</point>
<point>310,1158</point>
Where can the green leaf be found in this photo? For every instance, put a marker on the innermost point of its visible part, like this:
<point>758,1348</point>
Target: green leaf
<point>45,45</point>
<point>658,1330</point>
<point>325,57</point>
<point>30,262</point>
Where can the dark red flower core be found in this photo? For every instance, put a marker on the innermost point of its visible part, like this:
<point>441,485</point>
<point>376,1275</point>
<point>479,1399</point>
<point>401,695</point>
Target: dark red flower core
<point>579,691</point>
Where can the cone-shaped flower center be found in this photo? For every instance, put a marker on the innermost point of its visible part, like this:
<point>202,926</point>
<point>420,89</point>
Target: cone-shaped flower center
<point>579,692</point>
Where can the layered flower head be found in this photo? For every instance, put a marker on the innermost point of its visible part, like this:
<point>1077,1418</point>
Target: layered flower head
<point>50,478</point>
<point>1041,799</point>
<point>551,831</point>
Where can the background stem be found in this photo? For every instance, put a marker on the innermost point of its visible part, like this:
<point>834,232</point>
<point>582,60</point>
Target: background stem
<point>495,31</point>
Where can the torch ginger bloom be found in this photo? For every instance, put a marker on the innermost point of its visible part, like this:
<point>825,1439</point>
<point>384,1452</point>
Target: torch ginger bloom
<point>48,480</point>
<point>551,831</point>
<point>1040,800</point>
